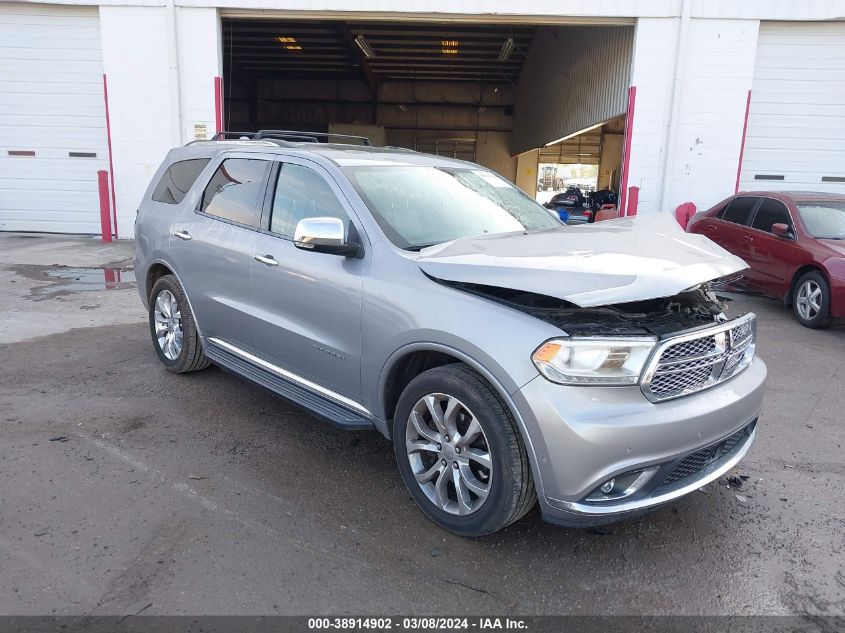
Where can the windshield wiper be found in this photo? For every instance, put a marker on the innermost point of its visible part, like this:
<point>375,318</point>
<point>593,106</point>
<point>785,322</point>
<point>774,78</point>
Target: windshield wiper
<point>418,247</point>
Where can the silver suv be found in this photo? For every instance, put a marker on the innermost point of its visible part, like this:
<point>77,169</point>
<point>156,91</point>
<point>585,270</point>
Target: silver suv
<point>510,359</point>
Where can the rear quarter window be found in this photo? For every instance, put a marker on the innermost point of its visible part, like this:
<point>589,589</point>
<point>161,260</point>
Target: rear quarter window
<point>177,180</point>
<point>232,192</point>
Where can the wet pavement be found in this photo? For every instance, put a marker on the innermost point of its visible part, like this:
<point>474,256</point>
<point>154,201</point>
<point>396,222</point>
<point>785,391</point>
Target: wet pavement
<point>68,280</point>
<point>124,487</point>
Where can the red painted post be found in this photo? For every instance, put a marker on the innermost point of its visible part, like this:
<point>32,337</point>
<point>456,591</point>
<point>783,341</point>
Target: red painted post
<point>111,162</point>
<point>633,200</point>
<point>742,142</point>
<point>105,211</point>
<point>218,104</point>
<point>626,151</point>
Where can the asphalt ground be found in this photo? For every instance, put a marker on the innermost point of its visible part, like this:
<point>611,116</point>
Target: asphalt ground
<point>124,488</point>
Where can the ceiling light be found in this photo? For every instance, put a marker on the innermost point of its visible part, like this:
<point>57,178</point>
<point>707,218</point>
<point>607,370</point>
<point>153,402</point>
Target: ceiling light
<point>507,49</point>
<point>449,47</point>
<point>369,53</point>
<point>289,43</point>
<point>403,107</point>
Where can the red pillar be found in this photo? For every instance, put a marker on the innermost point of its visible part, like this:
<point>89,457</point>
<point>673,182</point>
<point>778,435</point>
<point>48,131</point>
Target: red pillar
<point>626,153</point>
<point>633,200</point>
<point>105,211</point>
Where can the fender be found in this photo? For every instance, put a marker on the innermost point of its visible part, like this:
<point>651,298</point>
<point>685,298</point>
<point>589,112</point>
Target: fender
<point>428,346</point>
<point>172,270</point>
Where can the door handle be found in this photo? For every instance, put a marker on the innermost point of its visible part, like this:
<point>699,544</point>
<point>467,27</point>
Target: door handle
<point>267,260</point>
<point>182,235</point>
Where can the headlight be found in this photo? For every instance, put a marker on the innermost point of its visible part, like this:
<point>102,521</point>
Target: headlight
<point>594,361</point>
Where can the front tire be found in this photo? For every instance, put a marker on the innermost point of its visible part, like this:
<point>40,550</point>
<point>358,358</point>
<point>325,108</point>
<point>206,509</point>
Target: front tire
<point>811,300</point>
<point>460,453</point>
<point>173,328</point>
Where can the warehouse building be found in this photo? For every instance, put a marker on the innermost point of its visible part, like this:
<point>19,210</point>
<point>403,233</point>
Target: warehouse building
<point>674,100</point>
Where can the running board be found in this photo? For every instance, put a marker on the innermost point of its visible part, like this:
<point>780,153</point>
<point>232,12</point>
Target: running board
<point>321,406</point>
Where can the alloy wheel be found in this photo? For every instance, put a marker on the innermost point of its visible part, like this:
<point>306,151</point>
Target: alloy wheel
<point>449,454</point>
<point>168,325</point>
<point>809,301</point>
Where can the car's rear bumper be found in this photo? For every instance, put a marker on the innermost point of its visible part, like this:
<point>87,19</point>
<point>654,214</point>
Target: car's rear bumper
<point>582,437</point>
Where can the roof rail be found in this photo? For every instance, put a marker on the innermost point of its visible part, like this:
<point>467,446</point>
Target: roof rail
<point>284,138</point>
<point>306,137</point>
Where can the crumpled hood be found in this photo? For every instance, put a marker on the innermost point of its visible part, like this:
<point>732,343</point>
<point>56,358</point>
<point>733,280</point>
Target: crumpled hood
<point>629,259</point>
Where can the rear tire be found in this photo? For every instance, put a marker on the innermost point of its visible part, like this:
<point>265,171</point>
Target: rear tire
<point>811,300</point>
<point>463,398</point>
<point>173,328</point>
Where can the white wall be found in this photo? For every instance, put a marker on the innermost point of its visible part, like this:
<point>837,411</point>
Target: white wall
<point>151,87</point>
<point>198,36</point>
<point>688,118</point>
<point>687,124</point>
<point>717,76</point>
<point>655,42</point>
<point>585,11</point>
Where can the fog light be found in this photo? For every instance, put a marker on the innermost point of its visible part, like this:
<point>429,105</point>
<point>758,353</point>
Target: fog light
<point>607,486</point>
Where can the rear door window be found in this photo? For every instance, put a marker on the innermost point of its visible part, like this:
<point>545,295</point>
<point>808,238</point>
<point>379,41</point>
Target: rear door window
<point>177,180</point>
<point>232,192</point>
<point>739,210</point>
<point>771,212</point>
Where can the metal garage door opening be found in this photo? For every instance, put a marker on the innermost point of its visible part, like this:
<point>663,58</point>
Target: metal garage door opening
<point>480,92</point>
<point>590,161</point>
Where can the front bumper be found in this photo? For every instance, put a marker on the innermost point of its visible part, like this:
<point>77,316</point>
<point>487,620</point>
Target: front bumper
<point>584,436</point>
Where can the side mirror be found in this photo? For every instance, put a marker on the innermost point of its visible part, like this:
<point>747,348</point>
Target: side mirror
<point>324,235</point>
<point>781,230</point>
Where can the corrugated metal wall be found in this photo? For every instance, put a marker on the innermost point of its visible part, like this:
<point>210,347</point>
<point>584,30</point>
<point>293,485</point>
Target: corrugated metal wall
<point>575,77</point>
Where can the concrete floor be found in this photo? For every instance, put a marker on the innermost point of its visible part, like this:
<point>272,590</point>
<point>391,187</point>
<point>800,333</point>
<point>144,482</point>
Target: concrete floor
<point>123,487</point>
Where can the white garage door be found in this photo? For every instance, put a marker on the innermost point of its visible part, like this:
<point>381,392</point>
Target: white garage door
<point>796,124</point>
<point>52,118</point>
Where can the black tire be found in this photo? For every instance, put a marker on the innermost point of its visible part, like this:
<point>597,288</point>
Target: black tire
<point>191,356</point>
<point>511,492</point>
<point>822,318</point>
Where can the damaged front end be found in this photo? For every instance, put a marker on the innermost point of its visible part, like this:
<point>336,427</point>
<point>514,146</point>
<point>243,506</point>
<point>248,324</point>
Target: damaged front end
<point>670,347</point>
<point>659,317</point>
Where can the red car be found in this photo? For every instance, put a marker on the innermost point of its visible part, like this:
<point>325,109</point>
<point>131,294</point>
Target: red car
<point>794,243</point>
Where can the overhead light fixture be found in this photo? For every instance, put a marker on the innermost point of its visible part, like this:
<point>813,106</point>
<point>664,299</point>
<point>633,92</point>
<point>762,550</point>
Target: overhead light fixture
<point>403,107</point>
<point>289,43</point>
<point>368,52</point>
<point>506,50</point>
<point>449,47</point>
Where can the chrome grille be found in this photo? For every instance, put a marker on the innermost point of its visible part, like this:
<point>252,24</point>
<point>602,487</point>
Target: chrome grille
<point>696,347</point>
<point>697,361</point>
